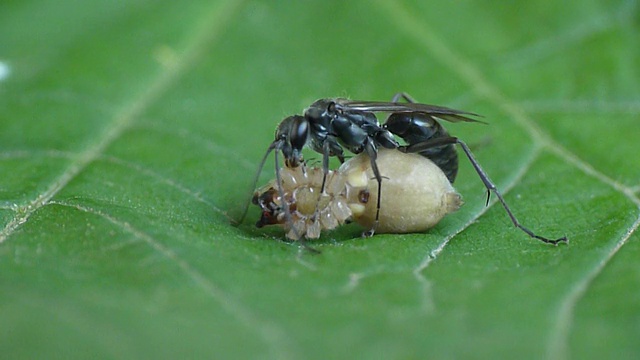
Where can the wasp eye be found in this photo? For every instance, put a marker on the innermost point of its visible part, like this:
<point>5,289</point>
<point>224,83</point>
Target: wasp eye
<point>299,132</point>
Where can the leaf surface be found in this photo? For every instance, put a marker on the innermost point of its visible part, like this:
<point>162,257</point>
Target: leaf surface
<point>131,132</point>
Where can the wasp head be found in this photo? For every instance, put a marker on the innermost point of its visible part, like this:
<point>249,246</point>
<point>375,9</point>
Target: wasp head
<point>293,133</point>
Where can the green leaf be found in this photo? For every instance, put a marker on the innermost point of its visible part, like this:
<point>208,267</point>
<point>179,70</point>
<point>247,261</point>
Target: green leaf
<point>131,131</point>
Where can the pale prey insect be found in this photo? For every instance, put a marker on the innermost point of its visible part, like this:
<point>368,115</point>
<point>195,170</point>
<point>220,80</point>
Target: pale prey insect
<point>416,197</point>
<point>329,126</point>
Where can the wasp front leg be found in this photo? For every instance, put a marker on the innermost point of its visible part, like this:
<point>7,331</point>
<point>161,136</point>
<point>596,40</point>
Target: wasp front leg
<point>328,146</point>
<point>402,95</point>
<point>372,152</point>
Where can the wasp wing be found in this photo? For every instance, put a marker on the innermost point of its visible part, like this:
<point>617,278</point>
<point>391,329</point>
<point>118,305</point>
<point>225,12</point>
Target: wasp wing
<point>440,112</point>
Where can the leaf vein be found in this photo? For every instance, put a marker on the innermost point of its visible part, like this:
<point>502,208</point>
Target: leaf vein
<point>564,39</point>
<point>166,180</point>
<point>208,145</point>
<point>273,335</point>
<point>521,171</point>
<point>558,348</point>
<point>484,88</point>
<point>210,30</point>
<point>20,154</point>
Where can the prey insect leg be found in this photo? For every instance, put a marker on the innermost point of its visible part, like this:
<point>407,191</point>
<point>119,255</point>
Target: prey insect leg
<point>483,176</point>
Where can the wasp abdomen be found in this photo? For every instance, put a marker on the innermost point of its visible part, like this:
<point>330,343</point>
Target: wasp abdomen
<point>415,128</point>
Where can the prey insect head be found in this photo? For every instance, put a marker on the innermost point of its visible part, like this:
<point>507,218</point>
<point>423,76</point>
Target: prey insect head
<point>269,202</point>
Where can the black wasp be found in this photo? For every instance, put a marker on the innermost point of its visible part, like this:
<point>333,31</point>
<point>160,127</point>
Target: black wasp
<point>329,126</point>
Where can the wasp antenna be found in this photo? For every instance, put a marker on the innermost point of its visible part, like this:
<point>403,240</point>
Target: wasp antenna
<point>277,144</point>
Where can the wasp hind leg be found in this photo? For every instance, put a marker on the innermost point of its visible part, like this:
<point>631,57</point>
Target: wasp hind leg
<point>402,95</point>
<point>372,152</point>
<point>491,187</point>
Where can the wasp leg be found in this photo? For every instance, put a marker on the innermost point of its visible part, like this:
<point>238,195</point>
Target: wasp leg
<point>287,210</point>
<point>372,151</point>
<point>402,95</point>
<point>483,176</point>
<point>326,152</point>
